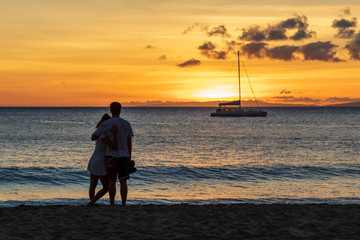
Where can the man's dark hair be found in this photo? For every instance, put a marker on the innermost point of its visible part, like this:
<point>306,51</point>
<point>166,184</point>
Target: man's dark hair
<point>115,108</point>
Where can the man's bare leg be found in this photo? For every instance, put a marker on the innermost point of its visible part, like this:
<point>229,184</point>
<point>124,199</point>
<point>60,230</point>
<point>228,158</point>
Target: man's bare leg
<point>123,191</point>
<point>112,191</point>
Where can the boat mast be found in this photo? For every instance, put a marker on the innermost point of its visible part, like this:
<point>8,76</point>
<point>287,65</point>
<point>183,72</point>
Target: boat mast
<point>239,79</point>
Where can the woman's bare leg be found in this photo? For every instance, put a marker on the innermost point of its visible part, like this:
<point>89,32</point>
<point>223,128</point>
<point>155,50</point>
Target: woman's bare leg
<point>93,183</point>
<point>105,183</point>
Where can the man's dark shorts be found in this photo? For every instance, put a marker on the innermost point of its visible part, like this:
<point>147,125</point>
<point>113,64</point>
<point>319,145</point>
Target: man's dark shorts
<point>117,166</point>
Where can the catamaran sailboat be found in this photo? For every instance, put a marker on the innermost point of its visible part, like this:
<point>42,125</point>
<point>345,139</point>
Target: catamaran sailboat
<point>236,110</point>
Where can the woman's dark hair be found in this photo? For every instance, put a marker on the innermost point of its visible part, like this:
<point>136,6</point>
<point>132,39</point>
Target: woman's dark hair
<point>103,118</point>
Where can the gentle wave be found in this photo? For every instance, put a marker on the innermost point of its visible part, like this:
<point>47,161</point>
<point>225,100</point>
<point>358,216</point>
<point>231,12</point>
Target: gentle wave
<point>67,176</point>
<point>42,176</point>
<point>84,201</point>
<point>248,173</point>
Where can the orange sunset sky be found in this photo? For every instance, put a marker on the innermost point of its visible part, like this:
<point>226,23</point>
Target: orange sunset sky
<point>92,52</point>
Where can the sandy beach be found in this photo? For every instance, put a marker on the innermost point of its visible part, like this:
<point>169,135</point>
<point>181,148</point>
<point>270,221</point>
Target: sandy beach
<point>233,221</point>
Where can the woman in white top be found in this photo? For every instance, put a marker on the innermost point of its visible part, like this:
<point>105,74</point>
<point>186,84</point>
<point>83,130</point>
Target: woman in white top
<point>96,165</point>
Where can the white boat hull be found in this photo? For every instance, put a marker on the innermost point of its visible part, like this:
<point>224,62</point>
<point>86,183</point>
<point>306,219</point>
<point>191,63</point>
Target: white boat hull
<point>240,114</point>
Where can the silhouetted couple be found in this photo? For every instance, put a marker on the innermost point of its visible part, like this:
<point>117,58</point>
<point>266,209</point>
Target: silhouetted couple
<point>111,159</point>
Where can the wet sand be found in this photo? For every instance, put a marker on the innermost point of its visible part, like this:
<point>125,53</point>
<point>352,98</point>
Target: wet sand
<point>232,221</point>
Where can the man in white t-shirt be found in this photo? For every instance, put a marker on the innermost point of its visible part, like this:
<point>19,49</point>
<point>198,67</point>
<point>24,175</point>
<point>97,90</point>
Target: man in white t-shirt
<point>117,160</point>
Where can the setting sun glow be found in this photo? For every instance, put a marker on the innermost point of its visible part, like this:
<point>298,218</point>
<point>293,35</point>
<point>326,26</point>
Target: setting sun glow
<point>88,53</point>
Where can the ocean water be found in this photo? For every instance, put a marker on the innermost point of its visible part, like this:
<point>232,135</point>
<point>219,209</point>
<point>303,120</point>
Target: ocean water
<point>295,155</point>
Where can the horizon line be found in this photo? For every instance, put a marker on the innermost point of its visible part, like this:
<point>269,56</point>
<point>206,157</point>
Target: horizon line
<point>207,104</point>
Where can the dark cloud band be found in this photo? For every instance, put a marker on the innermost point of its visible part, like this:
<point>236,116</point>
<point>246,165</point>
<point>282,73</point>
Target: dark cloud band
<point>279,31</point>
<point>189,63</point>
<point>354,47</point>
